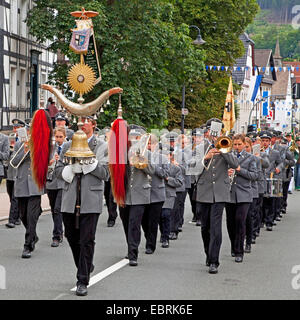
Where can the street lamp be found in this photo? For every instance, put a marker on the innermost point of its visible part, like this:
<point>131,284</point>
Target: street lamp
<point>197,42</point>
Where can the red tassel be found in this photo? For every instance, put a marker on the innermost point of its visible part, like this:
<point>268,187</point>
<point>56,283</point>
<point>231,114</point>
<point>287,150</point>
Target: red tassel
<point>117,146</point>
<point>40,146</point>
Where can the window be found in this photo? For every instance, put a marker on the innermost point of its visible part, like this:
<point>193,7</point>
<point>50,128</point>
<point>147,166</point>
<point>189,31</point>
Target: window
<point>23,15</point>
<point>13,87</point>
<point>14,16</point>
<point>22,88</point>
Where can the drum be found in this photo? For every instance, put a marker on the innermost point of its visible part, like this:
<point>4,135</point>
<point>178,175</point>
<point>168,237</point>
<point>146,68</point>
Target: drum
<point>274,188</point>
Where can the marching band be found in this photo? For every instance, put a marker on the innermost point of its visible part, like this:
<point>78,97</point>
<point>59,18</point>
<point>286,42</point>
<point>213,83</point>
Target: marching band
<point>247,175</point>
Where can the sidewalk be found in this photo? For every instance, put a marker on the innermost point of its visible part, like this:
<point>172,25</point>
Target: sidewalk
<point>5,203</point>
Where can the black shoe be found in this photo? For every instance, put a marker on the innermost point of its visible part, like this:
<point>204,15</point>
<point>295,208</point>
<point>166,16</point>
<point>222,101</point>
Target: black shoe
<point>149,251</point>
<point>257,234</point>
<point>18,222</point>
<point>55,243</point>
<point>126,257</point>
<point>262,225</point>
<point>253,241</point>
<point>10,225</point>
<point>179,229</point>
<point>165,244</point>
<point>238,259</point>
<point>194,219</point>
<point>133,263</point>
<point>61,239</point>
<point>173,236</point>
<point>111,223</point>
<point>278,219</point>
<point>290,192</point>
<point>232,254</point>
<point>213,268</point>
<point>274,223</point>
<point>269,228</point>
<point>34,242</point>
<point>26,254</point>
<point>81,290</point>
<point>248,248</point>
<point>283,211</point>
<point>207,262</point>
<point>198,223</point>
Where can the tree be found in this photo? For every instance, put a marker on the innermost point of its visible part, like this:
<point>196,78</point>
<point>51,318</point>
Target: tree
<point>140,50</point>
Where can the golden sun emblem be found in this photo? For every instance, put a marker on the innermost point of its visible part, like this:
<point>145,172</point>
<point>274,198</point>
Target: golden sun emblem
<point>81,78</point>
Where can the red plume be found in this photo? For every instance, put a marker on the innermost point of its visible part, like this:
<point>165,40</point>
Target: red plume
<point>117,146</point>
<point>40,146</point>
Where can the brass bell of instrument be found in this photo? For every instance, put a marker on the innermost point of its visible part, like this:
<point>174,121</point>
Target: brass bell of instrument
<point>224,144</point>
<point>79,148</point>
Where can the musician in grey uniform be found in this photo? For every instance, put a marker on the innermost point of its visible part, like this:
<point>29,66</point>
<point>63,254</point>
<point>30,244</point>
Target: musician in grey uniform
<point>54,186</point>
<point>82,240</point>
<point>4,153</point>
<point>213,190</point>
<point>28,195</point>
<point>173,180</point>
<point>138,194</point>
<point>241,196</point>
<point>153,210</point>
<point>275,168</point>
<point>62,122</point>
<point>14,217</point>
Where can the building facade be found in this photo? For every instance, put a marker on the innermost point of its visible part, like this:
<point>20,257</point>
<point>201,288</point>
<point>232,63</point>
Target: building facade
<point>24,64</point>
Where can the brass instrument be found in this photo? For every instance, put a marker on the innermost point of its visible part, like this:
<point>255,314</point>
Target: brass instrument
<point>139,160</point>
<point>294,147</point>
<point>224,144</point>
<point>17,152</point>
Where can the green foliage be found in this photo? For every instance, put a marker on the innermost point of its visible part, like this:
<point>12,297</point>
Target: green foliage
<point>265,35</point>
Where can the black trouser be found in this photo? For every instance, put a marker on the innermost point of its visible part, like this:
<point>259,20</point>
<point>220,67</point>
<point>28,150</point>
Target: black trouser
<point>111,205</point>
<point>276,207</point>
<point>131,217</point>
<point>285,190</point>
<point>150,223</point>
<point>260,210</point>
<point>193,202</point>
<point>211,229</point>
<point>55,204</point>
<point>236,215</point>
<point>82,242</point>
<point>181,207</point>
<point>14,214</point>
<point>30,210</point>
<point>165,224</point>
<point>268,210</point>
<point>252,221</point>
<point>176,211</point>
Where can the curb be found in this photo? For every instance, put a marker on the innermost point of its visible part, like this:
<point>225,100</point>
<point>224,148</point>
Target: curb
<point>6,217</point>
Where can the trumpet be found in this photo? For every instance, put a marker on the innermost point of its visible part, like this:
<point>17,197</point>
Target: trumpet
<point>294,147</point>
<point>139,160</point>
<point>224,144</point>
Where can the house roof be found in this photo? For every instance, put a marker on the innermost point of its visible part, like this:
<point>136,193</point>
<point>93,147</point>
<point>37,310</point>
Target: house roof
<point>239,75</point>
<point>264,58</point>
<point>280,86</point>
<point>296,73</point>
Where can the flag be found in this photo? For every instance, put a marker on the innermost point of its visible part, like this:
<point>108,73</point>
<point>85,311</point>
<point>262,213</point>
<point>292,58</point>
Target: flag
<point>229,112</point>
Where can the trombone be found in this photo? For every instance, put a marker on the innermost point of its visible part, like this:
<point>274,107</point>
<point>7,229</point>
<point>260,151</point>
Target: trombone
<point>25,143</point>
<point>139,160</point>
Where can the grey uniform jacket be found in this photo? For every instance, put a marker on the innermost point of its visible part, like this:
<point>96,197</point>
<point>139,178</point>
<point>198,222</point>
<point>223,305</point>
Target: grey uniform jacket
<point>4,152</point>
<point>54,182</point>
<point>173,181</point>
<point>262,164</point>
<point>11,172</point>
<point>69,134</point>
<point>160,164</point>
<point>138,186</point>
<point>241,189</point>
<point>24,183</point>
<point>92,184</point>
<point>183,157</point>
<point>288,163</point>
<point>213,184</point>
<point>275,162</point>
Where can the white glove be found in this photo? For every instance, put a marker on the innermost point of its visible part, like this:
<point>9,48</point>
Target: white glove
<point>68,174</point>
<point>87,168</point>
<point>76,167</point>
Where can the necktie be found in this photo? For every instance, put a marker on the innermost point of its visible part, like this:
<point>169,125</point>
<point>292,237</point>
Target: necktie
<point>238,155</point>
<point>59,150</point>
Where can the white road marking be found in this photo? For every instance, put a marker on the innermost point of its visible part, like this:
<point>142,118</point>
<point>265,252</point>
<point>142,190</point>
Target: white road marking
<point>103,274</point>
<point>60,296</point>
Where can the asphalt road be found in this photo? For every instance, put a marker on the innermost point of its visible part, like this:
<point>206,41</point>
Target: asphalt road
<point>176,273</point>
